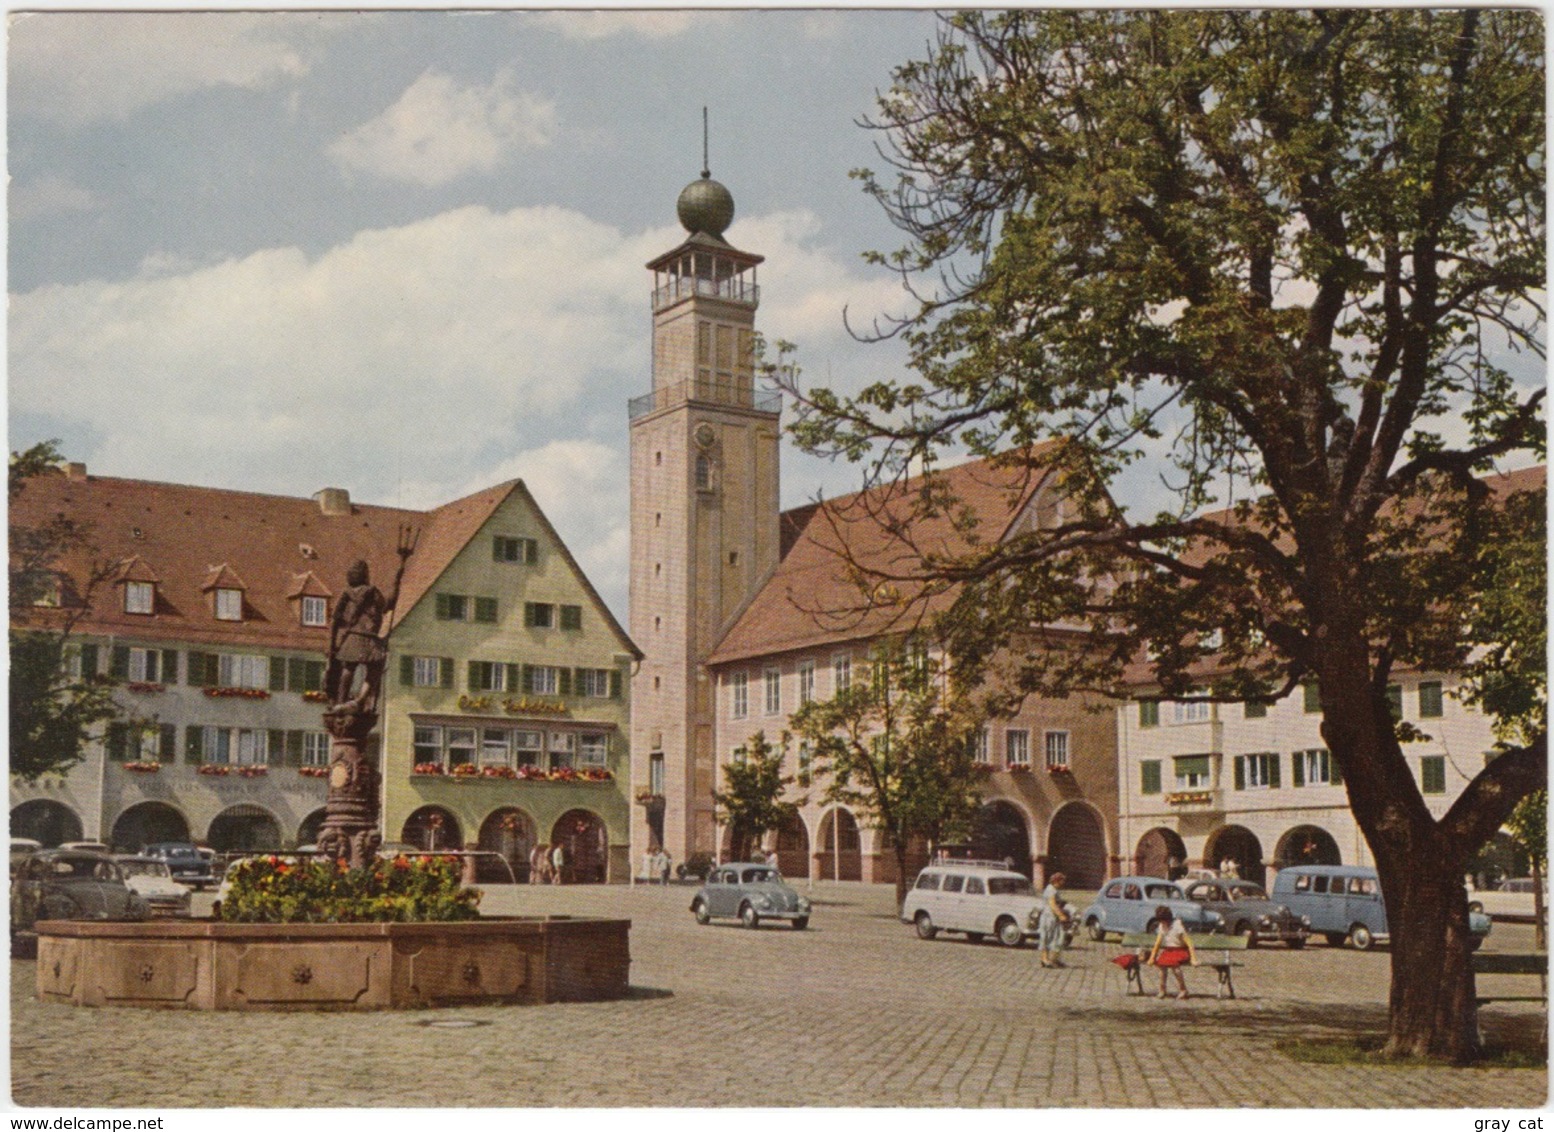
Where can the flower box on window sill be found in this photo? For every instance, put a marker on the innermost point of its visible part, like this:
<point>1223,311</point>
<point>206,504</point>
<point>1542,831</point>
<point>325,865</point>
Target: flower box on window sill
<point>1059,770</point>
<point>428,770</point>
<point>594,774</point>
<point>1190,798</point>
<point>145,686</point>
<point>531,773</point>
<point>216,770</point>
<point>498,772</point>
<point>313,771</point>
<point>241,693</point>
<point>252,771</point>
<point>1017,768</point>
<point>648,798</point>
<point>143,767</point>
<point>315,697</point>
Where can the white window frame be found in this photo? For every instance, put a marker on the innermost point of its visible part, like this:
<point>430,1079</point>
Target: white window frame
<point>841,672</point>
<point>463,740</point>
<point>1017,747</point>
<point>1191,781</point>
<point>1316,766</point>
<point>773,678</point>
<point>144,665</point>
<point>315,748</point>
<point>982,746</point>
<point>545,680</point>
<point>528,747</point>
<point>739,695</point>
<point>252,747</point>
<point>806,682</point>
<point>1259,770</point>
<point>140,597</point>
<point>563,749</point>
<point>593,682</point>
<point>1199,711</point>
<point>496,746</point>
<point>495,676</point>
<point>593,749</point>
<point>426,671</point>
<point>229,604</point>
<point>315,611</point>
<point>243,670</point>
<point>1056,748</point>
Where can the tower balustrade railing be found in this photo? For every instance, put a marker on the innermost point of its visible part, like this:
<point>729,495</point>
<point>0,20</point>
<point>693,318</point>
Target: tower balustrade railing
<point>736,289</point>
<point>711,391</point>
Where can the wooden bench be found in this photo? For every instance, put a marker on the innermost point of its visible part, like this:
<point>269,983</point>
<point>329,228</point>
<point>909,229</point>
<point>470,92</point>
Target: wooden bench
<point>1513,963</point>
<point>1212,951</point>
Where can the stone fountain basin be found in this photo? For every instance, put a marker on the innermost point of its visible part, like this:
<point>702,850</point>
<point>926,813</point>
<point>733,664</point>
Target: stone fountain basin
<point>213,965</point>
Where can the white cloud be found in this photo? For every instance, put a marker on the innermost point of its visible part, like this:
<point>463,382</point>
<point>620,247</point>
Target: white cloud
<point>661,24</point>
<point>49,196</point>
<point>439,131</point>
<point>79,68</point>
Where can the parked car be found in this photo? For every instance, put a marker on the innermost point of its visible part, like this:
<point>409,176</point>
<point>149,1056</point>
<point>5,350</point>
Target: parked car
<point>1128,904</point>
<point>1247,910</point>
<point>1344,902</point>
<point>752,893</point>
<point>977,898</point>
<point>68,884</point>
<point>21,849</point>
<point>1512,897</point>
<point>153,879</point>
<point>89,846</point>
<point>187,864</point>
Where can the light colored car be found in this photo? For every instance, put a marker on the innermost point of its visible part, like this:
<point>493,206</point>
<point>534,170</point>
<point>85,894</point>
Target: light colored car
<point>1129,904</point>
<point>151,877</point>
<point>1512,897</point>
<point>21,849</point>
<point>978,899</point>
<point>751,893</point>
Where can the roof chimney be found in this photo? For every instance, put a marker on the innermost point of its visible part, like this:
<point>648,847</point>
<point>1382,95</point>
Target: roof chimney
<point>333,501</point>
<point>75,471</point>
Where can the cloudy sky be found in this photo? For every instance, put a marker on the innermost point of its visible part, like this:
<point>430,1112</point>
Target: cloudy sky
<point>402,252</point>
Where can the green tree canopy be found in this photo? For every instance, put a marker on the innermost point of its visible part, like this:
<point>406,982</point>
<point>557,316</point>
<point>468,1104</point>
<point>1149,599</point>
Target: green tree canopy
<point>753,799</point>
<point>1281,261</point>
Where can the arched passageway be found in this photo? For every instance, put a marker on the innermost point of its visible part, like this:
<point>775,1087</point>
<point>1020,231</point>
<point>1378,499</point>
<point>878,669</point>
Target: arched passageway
<point>838,847</point>
<point>1076,846</point>
<point>245,829</point>
<point>46,821</point>
<point>146,824</point>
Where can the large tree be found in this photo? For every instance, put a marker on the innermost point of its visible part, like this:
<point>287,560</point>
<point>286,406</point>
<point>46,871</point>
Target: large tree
<point>896,744</point>
<point>754,795</point>
<point>1282,259</point>
<point>53,711</point>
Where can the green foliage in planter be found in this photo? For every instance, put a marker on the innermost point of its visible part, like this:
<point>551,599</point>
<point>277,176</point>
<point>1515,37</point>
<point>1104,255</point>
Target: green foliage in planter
<point>280,890</point>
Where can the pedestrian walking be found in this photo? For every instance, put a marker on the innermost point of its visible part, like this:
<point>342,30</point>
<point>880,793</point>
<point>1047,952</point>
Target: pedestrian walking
<point>537,863</point>
<point>649,866</point>
<point>1052,921</point>
<point>663,867</point>
<point>1172,950</point>
<point>558,862</point>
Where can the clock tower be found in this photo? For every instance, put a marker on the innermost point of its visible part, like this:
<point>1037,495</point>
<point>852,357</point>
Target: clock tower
<point>704,507</point>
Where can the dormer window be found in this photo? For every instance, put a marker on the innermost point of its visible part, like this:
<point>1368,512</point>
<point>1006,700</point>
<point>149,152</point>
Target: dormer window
<point>315,611</point>
<point>229,605</point>
<point>140,597</point>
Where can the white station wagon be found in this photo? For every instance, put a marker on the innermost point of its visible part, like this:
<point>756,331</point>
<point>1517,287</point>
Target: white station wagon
<point>976,898</point>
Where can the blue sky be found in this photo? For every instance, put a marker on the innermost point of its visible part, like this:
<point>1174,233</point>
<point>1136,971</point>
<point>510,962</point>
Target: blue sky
<point>402,252</point>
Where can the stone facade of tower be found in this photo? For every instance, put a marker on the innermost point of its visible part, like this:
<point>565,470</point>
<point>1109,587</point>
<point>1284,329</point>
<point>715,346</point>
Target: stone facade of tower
<point>704,515</point>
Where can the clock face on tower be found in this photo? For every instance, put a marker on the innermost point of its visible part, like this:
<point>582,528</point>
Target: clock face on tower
<point>704,435</point>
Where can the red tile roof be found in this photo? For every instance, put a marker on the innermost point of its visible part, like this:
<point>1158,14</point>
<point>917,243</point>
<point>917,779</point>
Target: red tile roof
<point>813,596</point>
<point>277,548</point>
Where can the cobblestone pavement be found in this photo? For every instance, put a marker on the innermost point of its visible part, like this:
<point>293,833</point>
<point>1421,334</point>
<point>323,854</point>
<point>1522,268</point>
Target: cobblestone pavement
<point>856,1011</point>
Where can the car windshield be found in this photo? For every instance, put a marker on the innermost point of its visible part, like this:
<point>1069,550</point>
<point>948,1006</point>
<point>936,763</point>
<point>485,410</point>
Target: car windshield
<point>761,876</point>
<point>181,851</point>
<point>1248,892</point>
<point>1009,886</point>
<point>82,868</point>
<point>144,868</point>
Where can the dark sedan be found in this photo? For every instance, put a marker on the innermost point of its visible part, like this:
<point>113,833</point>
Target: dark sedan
<point>1247,910</point>
<point>185,861</point>
<point>68,884</point>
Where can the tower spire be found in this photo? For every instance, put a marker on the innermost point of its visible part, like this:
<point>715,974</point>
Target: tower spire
<point>706,166</point>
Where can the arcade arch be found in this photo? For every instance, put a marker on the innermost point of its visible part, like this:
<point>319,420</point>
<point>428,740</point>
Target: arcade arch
<point>46,821</point>
<point>1076,846</point>
<point>147,823</point>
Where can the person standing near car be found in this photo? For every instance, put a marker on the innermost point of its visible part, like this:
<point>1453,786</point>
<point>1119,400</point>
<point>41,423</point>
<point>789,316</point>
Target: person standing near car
<point>1172,950</point>
<point>663,868</point>
<point>1052,921</point>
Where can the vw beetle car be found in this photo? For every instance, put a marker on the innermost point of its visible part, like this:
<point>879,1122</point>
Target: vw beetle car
<point>979,898</point>
<point>1247,910</point>
<point>68,884</point>
<point>151,877</point>
<point>1128,904</point>
<point>751,893</point>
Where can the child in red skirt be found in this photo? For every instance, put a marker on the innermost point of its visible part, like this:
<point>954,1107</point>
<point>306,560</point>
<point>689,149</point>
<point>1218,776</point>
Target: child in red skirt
<point>1172,951</point>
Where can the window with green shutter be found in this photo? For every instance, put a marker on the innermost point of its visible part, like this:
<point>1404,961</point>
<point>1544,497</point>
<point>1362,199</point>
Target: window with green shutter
<point>1395,700</point>
<point>485,610</point>
<point>1255,709</point>
<point>1432,774</point>
<point>1313,697</point>
<point>193,744</point>
<point>116,742</point>
<point>1149,776</point>
<point>167,743</point>
<point>203,669</point>
<point>1149,713</point>
<point>169,666</point>
<point>1430,705</point>
<point>1192,771</point>
<point>615,684</point>
<point>571,616</point>
<point>118,662</point>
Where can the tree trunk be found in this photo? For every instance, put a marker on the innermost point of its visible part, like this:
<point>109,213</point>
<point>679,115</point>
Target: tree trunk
<point>899,848</point>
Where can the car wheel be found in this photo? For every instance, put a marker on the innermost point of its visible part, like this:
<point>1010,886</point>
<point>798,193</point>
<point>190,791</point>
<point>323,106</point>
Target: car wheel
<point>749,916</point>
<point>1295,944</point>
<point>1094,930</point>
<point>1244,928</point>
<point>215,910</point>
<point>925,928</point>
<point>1009,933</point>
<point>800,923</point>
<point>702,915</point>
<point>1360,938</point>
<point>1334,939</point>
<point>1475,942</point>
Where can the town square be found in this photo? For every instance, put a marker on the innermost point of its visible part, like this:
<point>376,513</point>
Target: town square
<point>771,559</point>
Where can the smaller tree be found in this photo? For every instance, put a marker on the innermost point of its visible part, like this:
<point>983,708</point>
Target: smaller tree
<point>897,747</point>
<point>752,799</point>
<point>52,711</point>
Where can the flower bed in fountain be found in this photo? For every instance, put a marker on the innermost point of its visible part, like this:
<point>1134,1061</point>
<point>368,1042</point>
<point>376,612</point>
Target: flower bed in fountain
<point>313,936</point>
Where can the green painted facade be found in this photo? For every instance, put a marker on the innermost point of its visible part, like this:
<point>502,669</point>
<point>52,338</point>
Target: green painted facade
<point>510,664</point>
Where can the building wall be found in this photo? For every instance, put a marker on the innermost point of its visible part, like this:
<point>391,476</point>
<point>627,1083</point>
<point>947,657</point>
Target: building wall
<point>1281,817</point>
<point>481,802</point>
